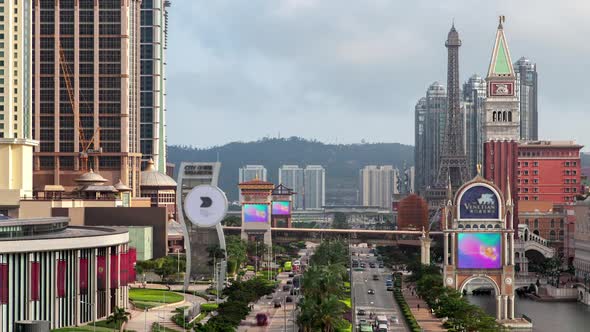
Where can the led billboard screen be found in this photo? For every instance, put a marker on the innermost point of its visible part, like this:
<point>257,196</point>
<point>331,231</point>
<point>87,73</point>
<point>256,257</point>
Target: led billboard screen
<point>281,208</point>
<point>479,251</point>
<point>255,212</point>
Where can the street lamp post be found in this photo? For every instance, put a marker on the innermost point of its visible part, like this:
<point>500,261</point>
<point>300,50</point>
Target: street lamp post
<point>91,305</point>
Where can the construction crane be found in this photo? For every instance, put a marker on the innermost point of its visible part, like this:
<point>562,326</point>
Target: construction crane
<point>85,145</point>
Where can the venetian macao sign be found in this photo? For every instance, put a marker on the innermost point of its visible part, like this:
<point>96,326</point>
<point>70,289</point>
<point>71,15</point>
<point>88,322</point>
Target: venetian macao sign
<point>479,202</point>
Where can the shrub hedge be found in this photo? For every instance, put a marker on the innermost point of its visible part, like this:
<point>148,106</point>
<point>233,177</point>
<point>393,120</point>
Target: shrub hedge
<point>405,309</point>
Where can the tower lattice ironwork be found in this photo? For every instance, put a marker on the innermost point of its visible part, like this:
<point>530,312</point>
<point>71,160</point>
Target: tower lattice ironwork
<point>453,163</point>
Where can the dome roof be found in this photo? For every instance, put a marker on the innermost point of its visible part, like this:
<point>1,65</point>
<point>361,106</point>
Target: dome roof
<point>412,213</point>
<point>121,187</point>
<point>90,177</point>
<point>150,177</point>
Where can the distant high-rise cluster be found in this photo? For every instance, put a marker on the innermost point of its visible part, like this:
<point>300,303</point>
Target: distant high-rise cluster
<point>251,172</point>
<point>308,183</point>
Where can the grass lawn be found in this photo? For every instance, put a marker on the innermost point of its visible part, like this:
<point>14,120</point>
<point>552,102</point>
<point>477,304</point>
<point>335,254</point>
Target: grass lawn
<point>347,302</point>
<point>144,298</point>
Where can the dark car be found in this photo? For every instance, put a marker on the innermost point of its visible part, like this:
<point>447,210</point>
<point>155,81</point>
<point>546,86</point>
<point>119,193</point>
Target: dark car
<point>363,265</point>
<point>291,275</point>
<point>371,291</point>
<point>261,319</point>
<point>277,303</point>
<point>381,265</point>
<point>361,312</point>
<point>372,265</point>
<point>289,282</point>
<point>288,299</point>
<point>286,288</point>
<point>375,277</point>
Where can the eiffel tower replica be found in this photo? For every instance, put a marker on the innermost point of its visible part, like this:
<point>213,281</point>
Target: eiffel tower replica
<point>453,165</point>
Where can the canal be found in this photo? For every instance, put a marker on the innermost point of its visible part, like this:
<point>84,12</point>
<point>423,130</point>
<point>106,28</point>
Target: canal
<point>546,316</point>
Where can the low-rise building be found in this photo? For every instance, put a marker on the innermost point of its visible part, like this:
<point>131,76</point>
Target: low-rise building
<point>68,275</point>
<point>582,248</point>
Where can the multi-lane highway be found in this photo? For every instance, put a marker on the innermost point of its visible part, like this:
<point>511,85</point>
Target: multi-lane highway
<point>379,303</point>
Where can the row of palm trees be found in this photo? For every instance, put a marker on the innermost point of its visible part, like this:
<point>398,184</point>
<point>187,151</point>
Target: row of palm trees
<point>322,308</point>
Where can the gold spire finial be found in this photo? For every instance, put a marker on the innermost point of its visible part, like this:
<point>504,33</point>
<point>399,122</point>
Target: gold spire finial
<point>501,20</point>
<point>478,169</point>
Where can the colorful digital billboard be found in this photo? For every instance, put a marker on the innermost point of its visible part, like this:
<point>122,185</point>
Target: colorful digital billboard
<point>281,208</point>
<point>479,202</point>
<point>255,212</point>
<point>479,251</point>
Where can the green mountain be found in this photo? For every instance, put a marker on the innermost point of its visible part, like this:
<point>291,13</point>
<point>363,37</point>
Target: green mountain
<point>342,162</point>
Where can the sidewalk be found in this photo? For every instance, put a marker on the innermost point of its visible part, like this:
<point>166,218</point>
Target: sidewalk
<point>427,321</point>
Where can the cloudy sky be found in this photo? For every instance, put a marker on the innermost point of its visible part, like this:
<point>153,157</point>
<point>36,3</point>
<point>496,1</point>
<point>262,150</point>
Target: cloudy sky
<point>350,70</point>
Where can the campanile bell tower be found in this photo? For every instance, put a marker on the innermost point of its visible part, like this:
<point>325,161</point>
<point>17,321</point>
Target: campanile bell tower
<point>502,116</point>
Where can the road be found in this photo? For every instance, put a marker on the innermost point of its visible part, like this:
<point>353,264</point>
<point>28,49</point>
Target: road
<point>281,319</point>
<point>380,303</point>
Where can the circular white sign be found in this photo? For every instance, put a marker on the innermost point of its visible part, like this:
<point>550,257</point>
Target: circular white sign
<point>205,205</point>
<point>449,281</point>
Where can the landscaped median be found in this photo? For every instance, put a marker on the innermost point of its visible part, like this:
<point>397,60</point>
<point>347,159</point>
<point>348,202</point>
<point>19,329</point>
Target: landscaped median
<point>143,298</point>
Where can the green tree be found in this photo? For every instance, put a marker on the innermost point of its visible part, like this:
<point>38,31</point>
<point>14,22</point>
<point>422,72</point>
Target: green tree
<point>340,221</point>
<point>232,221</point>
<point>118,317</point>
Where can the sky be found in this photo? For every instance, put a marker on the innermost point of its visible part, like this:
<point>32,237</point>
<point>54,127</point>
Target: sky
<point>350,71</point>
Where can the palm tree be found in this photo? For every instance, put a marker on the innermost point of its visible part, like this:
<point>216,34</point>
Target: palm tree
<point>118,317</point>
<point>329,313</point>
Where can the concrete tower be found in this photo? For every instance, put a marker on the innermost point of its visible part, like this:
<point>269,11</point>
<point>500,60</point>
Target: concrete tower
<point>453,163</point>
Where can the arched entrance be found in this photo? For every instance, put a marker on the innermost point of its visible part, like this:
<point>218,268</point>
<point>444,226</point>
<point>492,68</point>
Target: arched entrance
<point>484,292</point>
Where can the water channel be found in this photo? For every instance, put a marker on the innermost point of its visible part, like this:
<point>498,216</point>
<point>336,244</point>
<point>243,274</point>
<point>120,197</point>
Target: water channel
<point>546,316</point>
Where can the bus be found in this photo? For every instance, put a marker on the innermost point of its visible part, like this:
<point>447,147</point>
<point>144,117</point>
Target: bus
<point>288,267</point>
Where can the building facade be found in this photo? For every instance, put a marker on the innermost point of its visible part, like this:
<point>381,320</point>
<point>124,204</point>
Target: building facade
<point>251,172</point>
<point>68,276</point>
<point>16,144</point>
<point>547,220</point>
<point>291,176</point>
<point>159,188</point>
<point>474,94</point>
<point>582,248</point>
<point>436,104</point>
<point>154,31</point>
<point>549,171</point>
<point>526,91</point>
<point>377,184</point>
<point>420,122</point>
<point>86,65</point>
<point>314,189</point>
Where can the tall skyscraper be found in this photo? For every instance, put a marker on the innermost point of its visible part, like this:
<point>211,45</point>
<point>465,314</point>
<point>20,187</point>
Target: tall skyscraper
<point>86,73</point>
<point>377,184</point>
<point>251,172</point>
<point>16,144</point>
<point>502,121</point>
<point>291,176</point>
<point>474,94</point>
<point>154,31</point>
<point>453,162</point>
<point>526,92</point>
<point>420,115</point>
<point>436,104</point>
<point>314,191</point>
